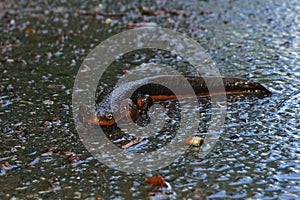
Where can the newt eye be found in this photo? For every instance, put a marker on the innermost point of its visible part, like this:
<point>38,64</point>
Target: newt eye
<point>108,116</point>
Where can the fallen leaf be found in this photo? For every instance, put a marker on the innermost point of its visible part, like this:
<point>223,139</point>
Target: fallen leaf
<point>6,164</point>
<point>132,143</point>
<point>107,21</point>
<point>27,102</point>
<point>146,11</point>
<point>48,102</point>
<point>105,14</point>
<point>142,24</point>
<point>85,68</point>
<point>234,99</point>
<point>46,124</point>
<point>51,186</point>
<point>48,55</point>
<point>55,119</point>
<point>156,180</point>
<point>226,21</point>
<point>194,141</point>
<point>30,31</point>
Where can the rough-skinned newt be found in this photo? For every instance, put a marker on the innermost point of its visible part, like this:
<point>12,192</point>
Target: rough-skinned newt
<point>146,91</point>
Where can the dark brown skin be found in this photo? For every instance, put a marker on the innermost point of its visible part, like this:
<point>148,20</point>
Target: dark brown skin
<point>143,96</point>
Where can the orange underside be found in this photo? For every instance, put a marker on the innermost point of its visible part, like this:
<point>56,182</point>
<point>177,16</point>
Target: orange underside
<point>203,94</point>
<point>159,98</point>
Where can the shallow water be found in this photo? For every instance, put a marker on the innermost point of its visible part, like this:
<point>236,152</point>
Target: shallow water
<point>42,47</point>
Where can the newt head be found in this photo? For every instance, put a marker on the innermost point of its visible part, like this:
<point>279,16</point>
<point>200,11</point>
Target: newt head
<point>126,110</point>
<point>87,116</point>
<point>106,119</point>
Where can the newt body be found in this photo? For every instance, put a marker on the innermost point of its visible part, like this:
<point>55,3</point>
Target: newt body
<point>151,89</point>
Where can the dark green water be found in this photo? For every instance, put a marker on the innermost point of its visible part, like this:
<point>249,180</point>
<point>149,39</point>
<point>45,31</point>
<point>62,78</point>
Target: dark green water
<point>42,47</point>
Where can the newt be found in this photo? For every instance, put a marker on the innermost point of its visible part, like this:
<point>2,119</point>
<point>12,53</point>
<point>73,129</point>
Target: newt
<point>144,96</point>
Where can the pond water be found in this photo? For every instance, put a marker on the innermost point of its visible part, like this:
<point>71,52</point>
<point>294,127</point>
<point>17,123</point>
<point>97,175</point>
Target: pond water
<point>43,44</point>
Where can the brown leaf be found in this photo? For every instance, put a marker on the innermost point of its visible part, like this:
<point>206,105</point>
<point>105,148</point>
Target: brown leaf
<point>30,31</point>
<point>51,186</point>
<point>146,11</point>
<point>194,141</point>
<point>234,99</point>
<point>132,143</point>
<point>142,24</point>
<point>156,180</point>
<point>226,21</point>
<point>82,12</point>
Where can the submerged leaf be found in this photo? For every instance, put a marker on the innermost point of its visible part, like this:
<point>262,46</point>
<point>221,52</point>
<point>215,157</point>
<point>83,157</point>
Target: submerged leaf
<point>156,180</point>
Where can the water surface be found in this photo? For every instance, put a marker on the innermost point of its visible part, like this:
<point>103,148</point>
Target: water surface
<point>42,47</point>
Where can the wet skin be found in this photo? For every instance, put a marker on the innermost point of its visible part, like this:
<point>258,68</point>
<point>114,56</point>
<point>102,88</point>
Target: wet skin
<point>152,89</point>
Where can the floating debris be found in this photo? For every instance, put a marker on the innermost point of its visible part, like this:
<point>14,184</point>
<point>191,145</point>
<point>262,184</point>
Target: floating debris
<point>161,188</point>
<point>30,31</point>
<point>156,180</point>
<point>26,102</point>
<point>194,141</point>
<point>84,68</point>
<point>107,21</point>
<point>142,24</point>
<point>146,11</point>
<point>133,143</point>
<point>95,14</point>
<point>48,102</point>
